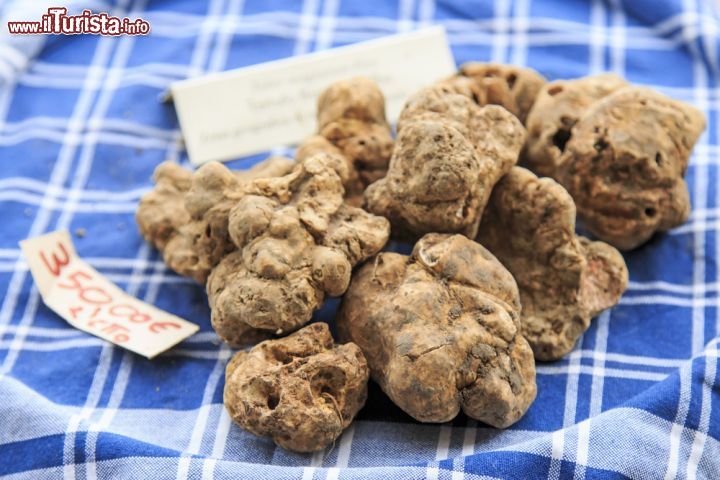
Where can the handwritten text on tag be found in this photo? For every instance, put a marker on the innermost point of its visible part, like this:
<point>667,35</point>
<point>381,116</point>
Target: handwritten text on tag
<point>90,302</point>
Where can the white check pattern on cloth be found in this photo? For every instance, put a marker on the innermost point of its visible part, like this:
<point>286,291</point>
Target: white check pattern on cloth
<point>81,129</point>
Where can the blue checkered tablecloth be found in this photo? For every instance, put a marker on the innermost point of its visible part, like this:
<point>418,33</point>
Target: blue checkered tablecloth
<point>81,130</point>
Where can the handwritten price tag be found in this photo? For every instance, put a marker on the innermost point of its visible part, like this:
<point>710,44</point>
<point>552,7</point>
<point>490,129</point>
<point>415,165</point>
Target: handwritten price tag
<point>90,302</point>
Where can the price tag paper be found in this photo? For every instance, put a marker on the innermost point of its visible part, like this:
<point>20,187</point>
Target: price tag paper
<point>226,115</point>
<point>91,303</point>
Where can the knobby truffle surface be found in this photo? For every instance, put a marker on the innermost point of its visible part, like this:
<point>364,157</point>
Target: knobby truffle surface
<point>441,331</point>
<point>558,107</point>
<point>624,165</point>
<point>161,211</point>
<point>295,242</point>
<point>351,123</point>
<point>514,88</point>
<point>564,279</point>
<point>317,144</point>
<point>448,155</point>
<point>301,390</point>
<point>185,215</point>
